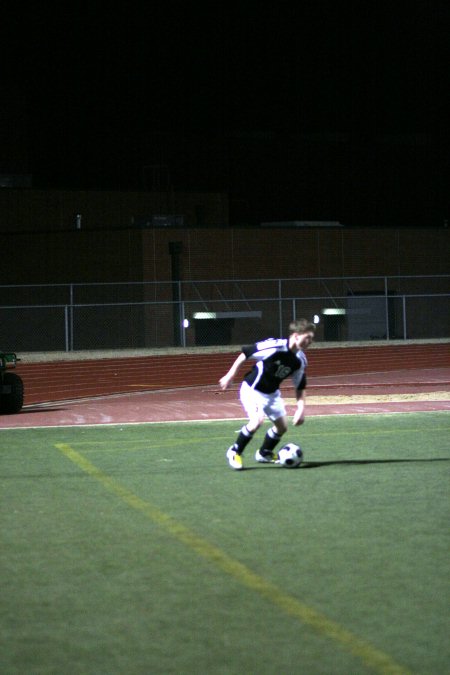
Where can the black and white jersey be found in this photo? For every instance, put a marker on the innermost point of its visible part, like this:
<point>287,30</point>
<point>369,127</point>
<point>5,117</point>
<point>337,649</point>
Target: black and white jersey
<point>274,363</point>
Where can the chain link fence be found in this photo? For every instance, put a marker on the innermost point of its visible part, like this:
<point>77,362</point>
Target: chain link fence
<point>69,317</point>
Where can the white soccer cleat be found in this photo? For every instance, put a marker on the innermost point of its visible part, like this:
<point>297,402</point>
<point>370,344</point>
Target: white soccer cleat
<point>234,460</point>
<point>265,459</point>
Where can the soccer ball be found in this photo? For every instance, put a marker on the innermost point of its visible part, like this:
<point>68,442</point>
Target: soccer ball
<point>290,456</point>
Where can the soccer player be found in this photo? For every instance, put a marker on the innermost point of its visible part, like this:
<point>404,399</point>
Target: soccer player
<point>276,359</point>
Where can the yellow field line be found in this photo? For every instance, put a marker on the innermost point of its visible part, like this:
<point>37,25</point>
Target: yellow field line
<point>372,657</point>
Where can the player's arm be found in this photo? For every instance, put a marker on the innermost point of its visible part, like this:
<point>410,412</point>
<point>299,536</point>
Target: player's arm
<point>300,395</point>
<point>228,378</point>
<point>299,415</point>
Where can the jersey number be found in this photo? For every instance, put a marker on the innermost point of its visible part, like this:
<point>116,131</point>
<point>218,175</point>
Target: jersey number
<point>282,372</point>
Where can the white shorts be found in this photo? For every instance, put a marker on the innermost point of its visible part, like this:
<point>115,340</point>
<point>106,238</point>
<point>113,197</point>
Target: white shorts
<point>255,402</point>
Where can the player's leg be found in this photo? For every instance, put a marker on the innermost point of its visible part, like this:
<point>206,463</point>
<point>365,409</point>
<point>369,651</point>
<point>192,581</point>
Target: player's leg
<point>252,406</point>
<point>277,412</point>
<point>271,439</point>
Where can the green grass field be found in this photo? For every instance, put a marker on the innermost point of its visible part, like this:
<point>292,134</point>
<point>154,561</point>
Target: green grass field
<point>136,550</point>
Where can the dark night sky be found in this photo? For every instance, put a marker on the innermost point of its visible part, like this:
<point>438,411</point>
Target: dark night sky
<point>308,109</point>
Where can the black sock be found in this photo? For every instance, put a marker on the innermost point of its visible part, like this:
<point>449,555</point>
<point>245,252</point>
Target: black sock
<point>270,440</point>
<point>245,436</point>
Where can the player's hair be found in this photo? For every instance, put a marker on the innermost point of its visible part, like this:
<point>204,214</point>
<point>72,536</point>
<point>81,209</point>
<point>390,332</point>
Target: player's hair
<point>301,326</point>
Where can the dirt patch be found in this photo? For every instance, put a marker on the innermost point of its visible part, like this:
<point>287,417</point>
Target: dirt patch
<point>374,398</point>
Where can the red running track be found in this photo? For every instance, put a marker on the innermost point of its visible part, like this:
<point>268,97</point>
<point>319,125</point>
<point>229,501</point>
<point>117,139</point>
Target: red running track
<point>409,390</point>
<point>68,379</point>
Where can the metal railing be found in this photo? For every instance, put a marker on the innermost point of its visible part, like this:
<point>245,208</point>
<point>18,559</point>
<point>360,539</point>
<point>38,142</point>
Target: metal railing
<point>69,317</point>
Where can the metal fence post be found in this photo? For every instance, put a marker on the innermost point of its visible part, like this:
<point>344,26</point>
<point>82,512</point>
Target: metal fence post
<point>183,325</point>
<point>280,310</point>
<point>404,316</point>
<point>71,342</point>
<point>386,306</point>
<point>66,328</point>
<point>175,251</point>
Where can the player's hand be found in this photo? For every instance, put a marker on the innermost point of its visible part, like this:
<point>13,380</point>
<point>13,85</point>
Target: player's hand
<point>224,382</point>
<point>298,418</point>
